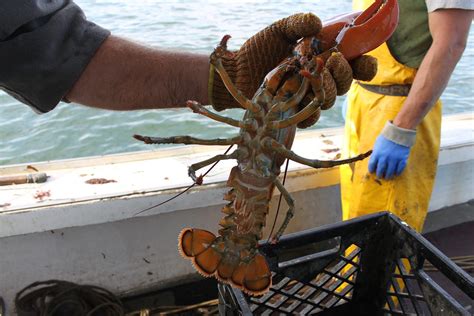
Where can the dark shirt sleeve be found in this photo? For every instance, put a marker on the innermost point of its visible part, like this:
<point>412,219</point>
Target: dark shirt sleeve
<point>44,47</point>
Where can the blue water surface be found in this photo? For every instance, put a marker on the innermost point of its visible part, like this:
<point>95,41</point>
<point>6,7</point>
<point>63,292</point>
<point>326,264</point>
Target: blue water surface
<point>196,26</point>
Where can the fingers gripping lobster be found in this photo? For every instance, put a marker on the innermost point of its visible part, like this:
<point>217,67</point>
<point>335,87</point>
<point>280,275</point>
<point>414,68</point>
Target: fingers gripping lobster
<point>266,135</point>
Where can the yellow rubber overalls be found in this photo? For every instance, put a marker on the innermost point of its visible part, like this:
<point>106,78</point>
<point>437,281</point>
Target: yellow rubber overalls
<point>407,195</point>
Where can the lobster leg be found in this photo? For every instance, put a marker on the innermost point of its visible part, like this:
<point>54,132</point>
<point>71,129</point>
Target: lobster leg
<point>271,83</point>
<point>314,78</point>
<point>289,214</point>
<point>199,109</point>
<point>238,96</point>
<point>194,167</point>
<point>298,117</point>
<point>272,144</point>
<point>216,61</point>
<point>187,140</point>
<point>293,101</point>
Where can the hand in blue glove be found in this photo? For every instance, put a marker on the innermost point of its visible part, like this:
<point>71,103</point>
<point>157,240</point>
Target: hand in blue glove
<point>391,151</point>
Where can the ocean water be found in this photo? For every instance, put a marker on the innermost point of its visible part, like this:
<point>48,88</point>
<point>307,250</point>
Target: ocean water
<point>72,130</point>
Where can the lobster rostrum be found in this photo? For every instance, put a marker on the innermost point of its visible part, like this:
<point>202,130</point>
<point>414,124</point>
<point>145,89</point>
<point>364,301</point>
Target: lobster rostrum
<point>267,131</point>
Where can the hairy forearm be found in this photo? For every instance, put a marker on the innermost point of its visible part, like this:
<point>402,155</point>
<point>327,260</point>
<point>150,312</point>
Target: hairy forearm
<point>449,29</point>
<point>127,76</point>
<point>430,82</point>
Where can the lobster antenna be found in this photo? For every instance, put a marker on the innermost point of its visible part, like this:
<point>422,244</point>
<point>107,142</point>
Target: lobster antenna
<point>279,201</point>
<point>187,189</point>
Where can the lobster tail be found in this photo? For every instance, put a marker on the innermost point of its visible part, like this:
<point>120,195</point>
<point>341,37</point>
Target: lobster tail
<point>195,244</point>
<point>210,258</point>
<point>254,278</point>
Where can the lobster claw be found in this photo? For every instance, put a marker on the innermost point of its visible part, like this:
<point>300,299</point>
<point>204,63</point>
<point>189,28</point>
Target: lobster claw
<point>357,33</point>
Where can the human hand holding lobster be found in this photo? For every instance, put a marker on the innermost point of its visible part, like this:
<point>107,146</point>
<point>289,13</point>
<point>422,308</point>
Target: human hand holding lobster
<point>262,52</point>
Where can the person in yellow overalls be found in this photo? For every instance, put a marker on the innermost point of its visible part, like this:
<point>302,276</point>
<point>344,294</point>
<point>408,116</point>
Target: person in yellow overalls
<point>398,114</point>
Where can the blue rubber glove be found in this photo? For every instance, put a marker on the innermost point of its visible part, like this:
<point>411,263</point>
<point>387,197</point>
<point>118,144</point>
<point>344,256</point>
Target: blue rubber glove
<point>391,151</point>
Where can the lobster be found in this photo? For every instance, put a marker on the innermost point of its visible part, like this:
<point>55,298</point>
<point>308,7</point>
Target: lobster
<point>267,131</point>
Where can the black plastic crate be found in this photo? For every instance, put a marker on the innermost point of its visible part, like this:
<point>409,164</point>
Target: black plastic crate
<point>372,265</point>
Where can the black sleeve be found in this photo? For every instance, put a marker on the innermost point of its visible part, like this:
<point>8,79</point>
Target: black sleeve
<point>44,47</point>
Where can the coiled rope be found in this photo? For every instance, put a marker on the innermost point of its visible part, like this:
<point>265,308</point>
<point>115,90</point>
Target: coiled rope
<point>58,298</point>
